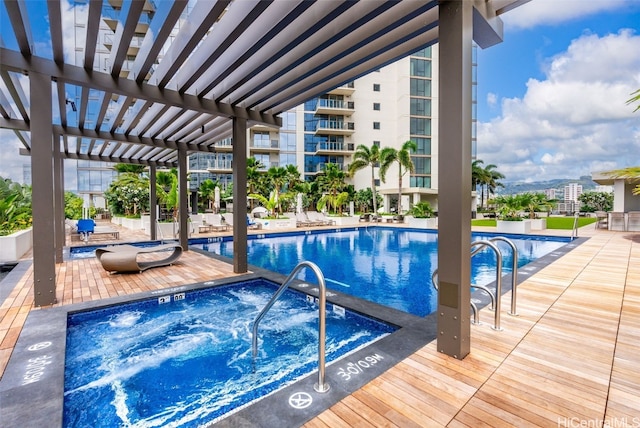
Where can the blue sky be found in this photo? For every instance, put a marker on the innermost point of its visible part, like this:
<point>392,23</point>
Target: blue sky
<point>552,97</point>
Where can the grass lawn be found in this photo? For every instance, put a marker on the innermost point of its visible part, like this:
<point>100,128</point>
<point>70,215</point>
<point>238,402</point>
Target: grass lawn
<point>565,223</point>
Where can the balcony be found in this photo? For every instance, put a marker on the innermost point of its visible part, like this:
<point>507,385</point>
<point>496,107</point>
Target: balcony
<point>334,149</point>
<point>224,146</point>
<point>347,89</point>
<point>262,147</point>
<point>335,107</point>
<point>334,127</point>
<point>220,167</point>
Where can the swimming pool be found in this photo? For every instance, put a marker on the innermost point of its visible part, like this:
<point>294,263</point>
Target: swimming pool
<point>389,266</point>
<point>184,359</point>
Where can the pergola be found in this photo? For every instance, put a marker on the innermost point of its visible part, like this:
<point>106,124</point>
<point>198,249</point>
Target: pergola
<point>207,72</point>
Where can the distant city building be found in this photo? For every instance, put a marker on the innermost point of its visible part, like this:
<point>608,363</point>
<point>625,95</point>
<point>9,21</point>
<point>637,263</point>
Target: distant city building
<point>550,193</point>
<point>572,191</point>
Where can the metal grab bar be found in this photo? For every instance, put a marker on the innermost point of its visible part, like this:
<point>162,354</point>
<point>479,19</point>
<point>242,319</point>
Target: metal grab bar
<point>496,299</point>
<point>574,229</point>
<point>514,271</point>
<point>498,295</point>
<point>321,386</point>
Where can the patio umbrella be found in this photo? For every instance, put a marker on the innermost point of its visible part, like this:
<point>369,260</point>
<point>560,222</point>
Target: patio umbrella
<point>299,203</point>
<point>216,200</point>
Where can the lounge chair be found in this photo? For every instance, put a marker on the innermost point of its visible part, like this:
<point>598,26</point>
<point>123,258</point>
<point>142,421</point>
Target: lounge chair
<point>601,219</point>
<point>320,218</point>
<point>303,221</point>
<point>124,258</point>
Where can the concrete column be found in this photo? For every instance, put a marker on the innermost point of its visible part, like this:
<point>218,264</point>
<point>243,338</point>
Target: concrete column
<point>153,204</point>
<point>240,264</point>
<point>42,180</point>
<point>454,165</point>
<point>183,199</point>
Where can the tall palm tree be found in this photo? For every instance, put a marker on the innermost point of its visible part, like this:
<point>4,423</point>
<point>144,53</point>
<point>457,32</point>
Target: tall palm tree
<point>253,175</point>
<point>478,178</point>
<point>332,181</point>
<point>389,155</point>
<point>491,179</point>
<point>278,177</point>
<point>207,190</point>
<point>293,176</point>
<point>362,158</point>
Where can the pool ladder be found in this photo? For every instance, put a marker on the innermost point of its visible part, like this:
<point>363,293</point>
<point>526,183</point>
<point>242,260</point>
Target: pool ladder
<point>496,298</point>
<point>321,386</point>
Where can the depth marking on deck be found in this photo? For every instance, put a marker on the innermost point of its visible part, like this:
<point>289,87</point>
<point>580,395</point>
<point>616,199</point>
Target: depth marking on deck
<point>300,400</point>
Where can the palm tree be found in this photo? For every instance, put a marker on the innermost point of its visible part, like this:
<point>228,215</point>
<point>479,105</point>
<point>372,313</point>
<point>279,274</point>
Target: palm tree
<point>491,178</point>
<point>478,175</point>
<point>332,181</point>
<point>207,190</point>
<point>253,175</point>
<point>293,176</point>
<point>362,158</point>
<point>389,155</point>
<point>635,98</point>
<point>278,177</point>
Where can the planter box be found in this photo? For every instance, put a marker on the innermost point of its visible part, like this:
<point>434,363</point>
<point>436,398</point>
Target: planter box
<point>280,223</point>
<point>521,227</point>
<point>346,221</point>
<point>166,230</point>
<point>129,223</point>
<point>422,223</point>
<point>539,224</point>
<point>16,245</point>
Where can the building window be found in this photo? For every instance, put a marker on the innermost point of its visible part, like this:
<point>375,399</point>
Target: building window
<point>419,126</point>
<point>420,107</point>
<point>376,87</point>
<point>376,125</point>
<point>376,106</point>
<point>420,87</point>
<point>420,67</point>
<point>376,143</point>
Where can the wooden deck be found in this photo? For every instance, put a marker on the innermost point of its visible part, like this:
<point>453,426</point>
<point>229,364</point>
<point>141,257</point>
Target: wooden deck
<point>570,358</point>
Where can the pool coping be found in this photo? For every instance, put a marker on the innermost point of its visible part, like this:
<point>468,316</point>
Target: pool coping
<point>35,372</point>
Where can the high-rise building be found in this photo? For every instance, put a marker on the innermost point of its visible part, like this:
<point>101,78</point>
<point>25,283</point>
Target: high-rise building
<point>572,191</point>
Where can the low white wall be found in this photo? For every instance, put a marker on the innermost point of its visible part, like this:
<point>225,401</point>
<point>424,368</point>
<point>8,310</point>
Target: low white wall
<point>16,245</point>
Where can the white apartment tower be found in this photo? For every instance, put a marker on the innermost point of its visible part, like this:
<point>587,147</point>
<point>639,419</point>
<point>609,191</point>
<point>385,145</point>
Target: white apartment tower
<point>572,191</point>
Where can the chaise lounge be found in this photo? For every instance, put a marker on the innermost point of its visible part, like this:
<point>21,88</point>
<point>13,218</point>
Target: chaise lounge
<point>124,258</point>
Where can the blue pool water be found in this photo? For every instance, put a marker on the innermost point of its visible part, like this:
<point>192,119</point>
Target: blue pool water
<point>188,361</point>
<point>388,266</point>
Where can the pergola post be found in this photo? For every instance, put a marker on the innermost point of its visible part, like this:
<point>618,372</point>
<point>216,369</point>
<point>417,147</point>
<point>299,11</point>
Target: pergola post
<point>153,204</point>
<point>240,264</point>
<point>58,185</point>
<point>183,196</point>
<point>454,165</point>
<point>42,179</point>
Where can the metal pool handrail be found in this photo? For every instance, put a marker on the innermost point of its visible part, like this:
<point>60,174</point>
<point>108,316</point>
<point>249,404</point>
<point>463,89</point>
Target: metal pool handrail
<point>321,386</point>
<point>478,245</point>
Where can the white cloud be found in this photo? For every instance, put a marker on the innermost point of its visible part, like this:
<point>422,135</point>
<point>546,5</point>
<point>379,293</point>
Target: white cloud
<point>574,121</point>
<point>553,12</point>
<point>492,99</point>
